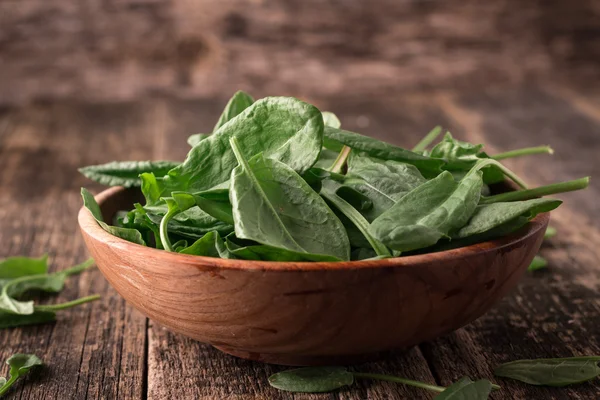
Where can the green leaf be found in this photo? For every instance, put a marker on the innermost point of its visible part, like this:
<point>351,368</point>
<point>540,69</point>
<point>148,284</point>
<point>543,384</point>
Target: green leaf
<point>384,182</point>
<point>128,234</point>
<point>330,192</point>
<point>378,149</point>
<point>209,245</point>
<point>326,159</point>
<point>191,224</point>
<point>330,119</point>
<point>274,206</point>
<point>8,320</point>
<point>466,389</point>
<point>282,128</point>
<point>20,364</point>
<point>461,156</point>
<point>312,379</point>
<point>2,381</point>
<point>537,263</point>
<point>429,212</point>
<point>52,283</point>
<point>213,202</point>
<point>551,371</point>
<point>238,103</point>
<point>196,138</point>
<point>126,173</point>
<point>260,252</point>
<point>15,267</point>
<point>490,216</point>
<point>550,232</point>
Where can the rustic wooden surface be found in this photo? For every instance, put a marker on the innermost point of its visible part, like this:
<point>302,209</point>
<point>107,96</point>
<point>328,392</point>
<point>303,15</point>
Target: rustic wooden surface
<point>128,49</point>
<point>107,350</point>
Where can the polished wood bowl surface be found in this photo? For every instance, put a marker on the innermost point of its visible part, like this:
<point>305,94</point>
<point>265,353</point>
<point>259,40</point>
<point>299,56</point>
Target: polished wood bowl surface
<point>309,313</point>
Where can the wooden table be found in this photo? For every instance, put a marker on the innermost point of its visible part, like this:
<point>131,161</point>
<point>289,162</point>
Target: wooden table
<point>109,350</point>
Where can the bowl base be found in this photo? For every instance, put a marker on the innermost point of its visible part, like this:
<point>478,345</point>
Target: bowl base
<point>300,360</point>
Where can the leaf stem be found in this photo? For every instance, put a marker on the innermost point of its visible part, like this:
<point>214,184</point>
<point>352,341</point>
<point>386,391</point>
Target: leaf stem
<point>397,379</point>
<point>554,188</point>
<point>68,304</point>
<point>489,161</point>
<point>524,152</point>
<point>339,162</point>
<point>164,224</point>
<point>78,268</point>
<point>4,388</point>
<point>428,139</point>
<point>358,220</point>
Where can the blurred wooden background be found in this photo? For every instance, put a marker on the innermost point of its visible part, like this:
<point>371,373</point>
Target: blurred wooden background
<point>90,81</point>
<point>114,50</point>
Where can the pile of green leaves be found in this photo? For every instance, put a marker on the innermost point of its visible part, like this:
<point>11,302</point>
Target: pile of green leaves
<point>22,276</point>
<point>279,180</point>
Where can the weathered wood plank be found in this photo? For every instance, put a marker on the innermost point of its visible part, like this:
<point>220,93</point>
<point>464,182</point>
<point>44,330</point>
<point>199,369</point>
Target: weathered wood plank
<point>95,351</point>
<point>552,313</point>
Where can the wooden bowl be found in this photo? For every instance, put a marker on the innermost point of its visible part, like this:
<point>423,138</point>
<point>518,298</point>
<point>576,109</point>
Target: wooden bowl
<point>317,313</point>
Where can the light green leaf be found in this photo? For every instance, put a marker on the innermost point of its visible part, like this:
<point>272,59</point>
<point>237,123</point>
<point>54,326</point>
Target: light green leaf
<point>335,138</point>
<point>274,206</point>
<point>312,379</point>
<point>489,216</point>
<point>128,234</point>
<point>15,267</point>
<point>552,371</point>
<point>466,389</point>
<point>282,128</point>
<point>126,173</point>
<point>238,103</point>
<point>429,212</point>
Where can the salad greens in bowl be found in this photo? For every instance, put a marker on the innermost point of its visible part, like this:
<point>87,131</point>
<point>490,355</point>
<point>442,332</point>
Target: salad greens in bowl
<point>284,238</point>
<point>279,180</point>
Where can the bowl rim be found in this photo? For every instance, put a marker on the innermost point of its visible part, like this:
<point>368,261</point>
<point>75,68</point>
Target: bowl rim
<point>89,226</point>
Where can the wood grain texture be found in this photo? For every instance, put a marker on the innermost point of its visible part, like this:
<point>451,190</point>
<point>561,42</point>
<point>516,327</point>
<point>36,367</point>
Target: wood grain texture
<point>317,313</point>
<point>551,313</point>
<point>95,351</point>
<point>130,49</point>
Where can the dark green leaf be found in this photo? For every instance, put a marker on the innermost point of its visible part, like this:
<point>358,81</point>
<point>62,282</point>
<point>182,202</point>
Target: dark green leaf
<point>274,206</point>
<point>461,156</point>
<point>270,253</point>
<point>537,263</point>
<point>466,389</point>
<point>378,149</point>
<point>8,320</point>
<point>192,223</point>
<point>238,103</point>
<point>197,138</point>
<point>429,212</point>
<point>551,371</point>
<point>20,364</point>
<point>282,128</point>
<point>489,216</point>
<point>213,202</point>
<point>126,173</point>
<point>312,380</point>
<point>15,267</point>
<point>330,192</point>
<point>384,182</point>
<point>326,159</point>
<point>209,245</point>
<point>128,234</point>
<point>355,198</point>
